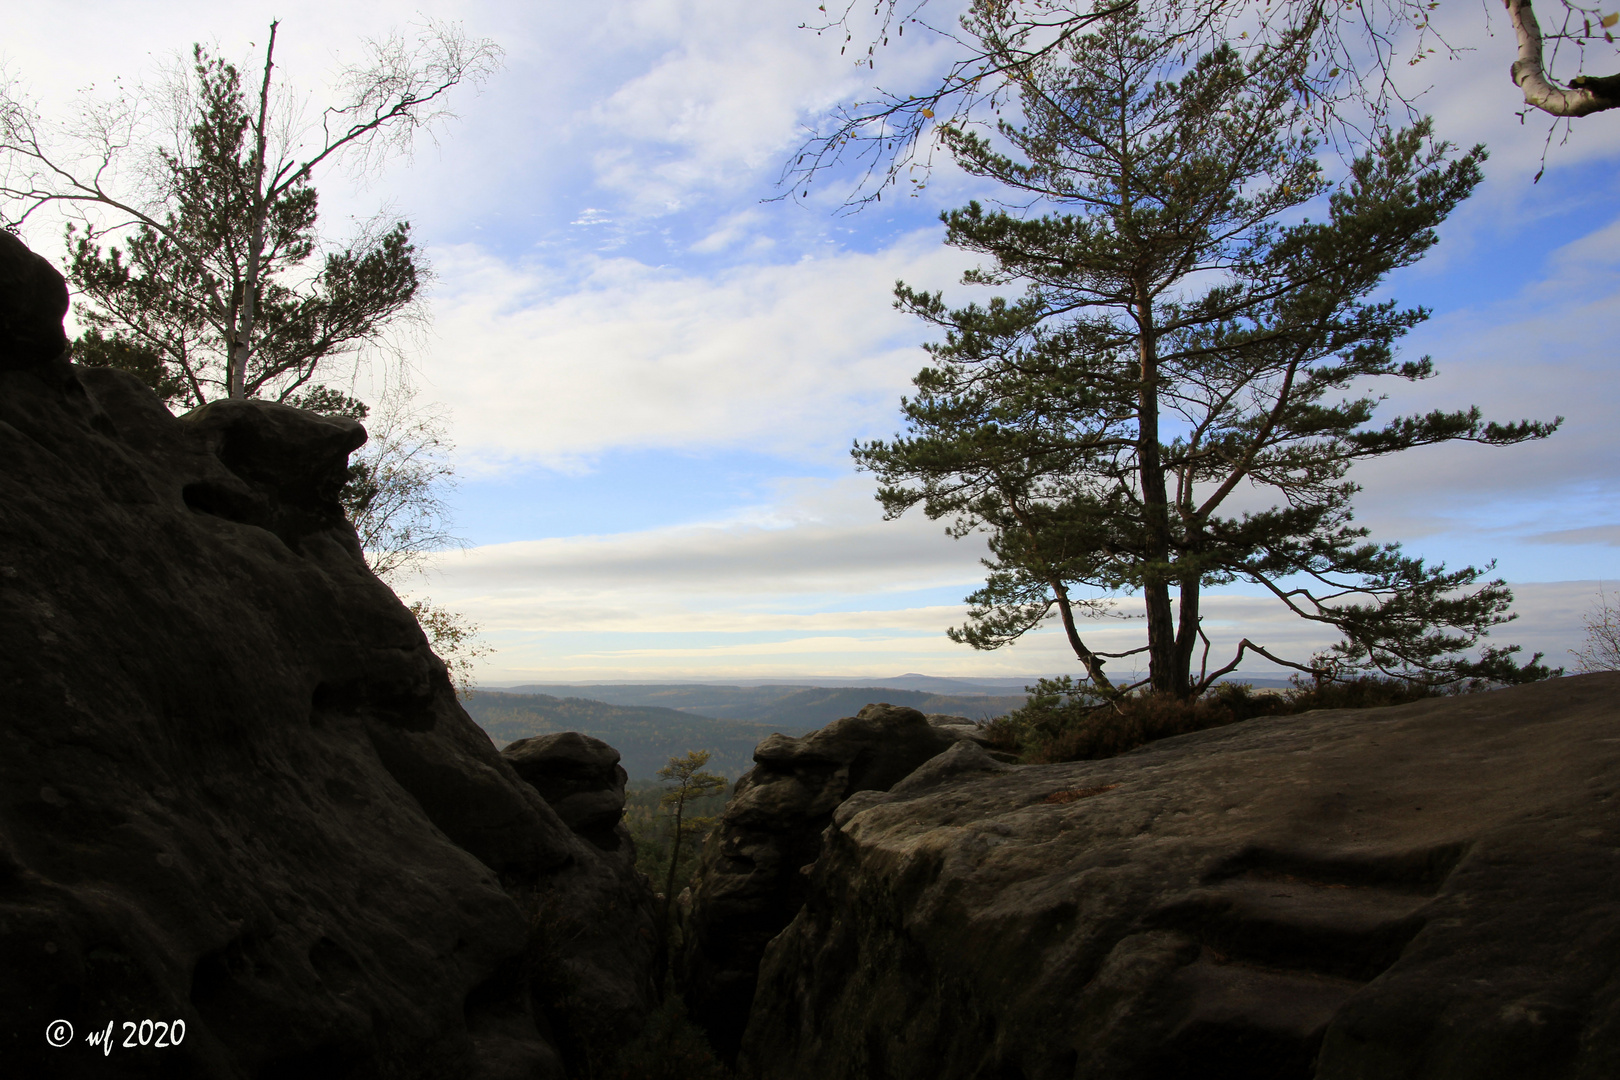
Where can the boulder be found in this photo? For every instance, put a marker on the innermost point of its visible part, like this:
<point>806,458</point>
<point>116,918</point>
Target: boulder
<point>1425,891</point>
<point>749,885</point>
<point>579,777</point>
<point>236,790</point>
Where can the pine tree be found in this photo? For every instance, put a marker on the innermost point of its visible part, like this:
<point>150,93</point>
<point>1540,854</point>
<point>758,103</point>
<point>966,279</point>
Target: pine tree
<point>219,296</point>
<point>220,285</point>
<point>691,783</point>
<point>1187,339</point>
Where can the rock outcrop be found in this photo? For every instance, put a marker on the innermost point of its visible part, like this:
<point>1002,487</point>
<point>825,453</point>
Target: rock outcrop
<point>750,885</point>
<point>581,778</point>
<point>1425,891</point>
<point>236,789</point>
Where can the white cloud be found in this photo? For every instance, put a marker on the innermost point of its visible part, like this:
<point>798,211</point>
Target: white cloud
<point>787,358</point>
<point>731,230</point>
<point>1544,353</point>
<point>816,585</point>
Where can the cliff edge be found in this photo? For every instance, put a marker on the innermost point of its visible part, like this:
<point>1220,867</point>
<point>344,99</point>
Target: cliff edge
<point>1425,891</point>
<point>237,795</point>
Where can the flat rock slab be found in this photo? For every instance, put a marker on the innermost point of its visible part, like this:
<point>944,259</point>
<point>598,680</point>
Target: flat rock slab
<point>1425,891</point>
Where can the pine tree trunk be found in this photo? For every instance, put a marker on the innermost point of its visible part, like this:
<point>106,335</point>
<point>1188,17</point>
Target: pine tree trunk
<point>1155,511</point>
<point>1186,635</point>
<point>674,861</point>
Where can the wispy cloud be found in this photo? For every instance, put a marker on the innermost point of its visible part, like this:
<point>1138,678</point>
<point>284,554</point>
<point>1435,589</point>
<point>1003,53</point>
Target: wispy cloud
<point>787,357</point>
<point>1608,535</point>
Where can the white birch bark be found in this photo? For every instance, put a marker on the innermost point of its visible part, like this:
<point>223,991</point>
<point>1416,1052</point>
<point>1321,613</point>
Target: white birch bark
<point>1584,96</point>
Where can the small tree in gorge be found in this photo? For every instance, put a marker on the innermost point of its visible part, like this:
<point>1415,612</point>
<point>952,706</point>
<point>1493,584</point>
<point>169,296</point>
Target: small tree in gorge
<point>691,782</point>
<point>1180,347</point>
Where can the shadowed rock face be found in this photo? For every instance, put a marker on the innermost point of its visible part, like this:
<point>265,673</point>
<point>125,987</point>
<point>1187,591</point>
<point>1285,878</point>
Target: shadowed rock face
<point>749,884</point>
<point>581,778</point>
<point>1424,891</point>
<point>33,301</point>
<point>236,788</point>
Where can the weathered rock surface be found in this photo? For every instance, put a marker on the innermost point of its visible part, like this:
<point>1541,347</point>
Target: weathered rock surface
<point>581,778</point>
<point>236,789</point>
<point>1425,891</point>
<point>749,884</point>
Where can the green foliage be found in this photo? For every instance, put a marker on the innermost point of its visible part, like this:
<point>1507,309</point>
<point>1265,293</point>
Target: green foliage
<point>647,736</point>
<point>454,639</point>
<point>1187,338</point>
<point>395,497</point>
<point>691,784</point>
<point>653,830</point>
<point>93,348</point>
<point>1067,721</point>
<point>224,291</point>
<point>328,402</point>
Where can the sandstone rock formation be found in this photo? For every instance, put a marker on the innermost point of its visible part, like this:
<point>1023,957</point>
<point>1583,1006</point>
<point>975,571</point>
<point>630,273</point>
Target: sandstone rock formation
<point>581,778</point>
<point>749,884</point>
<point>1425,891</point>
<point>238,791</point>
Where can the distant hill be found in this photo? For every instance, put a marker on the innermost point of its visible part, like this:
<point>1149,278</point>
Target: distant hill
<point>718,701</point>
<point>727,721</point>
<point>820,706</point>
<point>808,707</point>
<point>645,736</point>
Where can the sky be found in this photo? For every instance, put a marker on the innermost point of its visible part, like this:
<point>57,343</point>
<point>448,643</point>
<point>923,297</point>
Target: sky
<point>653,369</point>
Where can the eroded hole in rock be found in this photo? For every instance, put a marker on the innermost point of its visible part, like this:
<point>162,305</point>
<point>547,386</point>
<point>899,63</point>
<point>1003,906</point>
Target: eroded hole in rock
<point>1244,1024</point>
<point>224,983</point>
<point>1350,932</point>
<point>222,501</point>
<point>1285,939</point>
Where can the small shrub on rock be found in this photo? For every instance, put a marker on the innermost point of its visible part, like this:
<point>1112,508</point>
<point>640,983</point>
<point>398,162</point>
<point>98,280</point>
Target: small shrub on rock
<point>1065,721</point>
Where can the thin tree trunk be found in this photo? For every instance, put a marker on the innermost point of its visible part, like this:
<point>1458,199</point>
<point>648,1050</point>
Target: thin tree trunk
<point>242,346</point>
<point>674,861</point>
<point>1093,662</point>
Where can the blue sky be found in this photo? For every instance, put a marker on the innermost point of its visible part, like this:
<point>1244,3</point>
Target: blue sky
<point>654,377</point>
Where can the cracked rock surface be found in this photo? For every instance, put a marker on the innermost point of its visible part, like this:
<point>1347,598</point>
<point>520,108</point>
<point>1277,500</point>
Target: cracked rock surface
<point>750,883</point>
